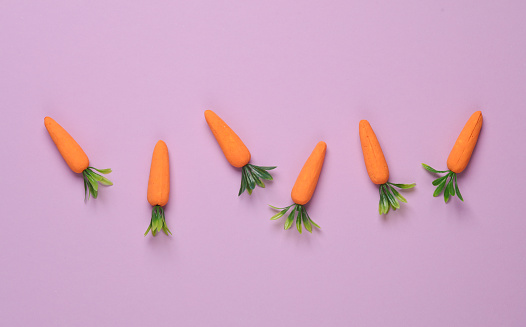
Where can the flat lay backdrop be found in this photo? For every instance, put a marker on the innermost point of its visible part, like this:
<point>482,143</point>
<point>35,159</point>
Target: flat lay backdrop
<point>120,75</point>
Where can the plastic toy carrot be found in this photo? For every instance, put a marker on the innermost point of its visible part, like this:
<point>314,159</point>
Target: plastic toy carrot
<point>458,158</point>
<point>303,190</point>
<point>378,170</point>
<point>76,159</point>
<point>237,154</point>
<point>159,188</point>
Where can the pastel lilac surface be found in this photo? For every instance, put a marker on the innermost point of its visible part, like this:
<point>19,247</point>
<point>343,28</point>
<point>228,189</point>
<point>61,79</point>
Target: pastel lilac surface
<point>121,75</point>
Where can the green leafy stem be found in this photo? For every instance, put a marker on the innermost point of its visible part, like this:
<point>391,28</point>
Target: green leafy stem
<point>389,196</point>
<point>299,212</point>
<point>91,180</point>
<point>447,183</point>
<point>251,175</point>
<point>158,222</point>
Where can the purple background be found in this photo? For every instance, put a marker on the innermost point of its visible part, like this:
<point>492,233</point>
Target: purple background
<point>285,75</point>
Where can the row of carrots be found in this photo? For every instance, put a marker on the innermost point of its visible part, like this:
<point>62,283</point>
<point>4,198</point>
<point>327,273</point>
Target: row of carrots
<point>238,156</point>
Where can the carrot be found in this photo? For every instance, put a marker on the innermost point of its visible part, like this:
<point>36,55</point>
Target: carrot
<point>159,188</point>
<point>309,174</point>
<point>234,149</point>
<point>303,190</point>
<point>70,150</point>
<point>378,170</point>
<point>463,149</point>
<point>458,159</point>
<point>76,158</point>
<point>372,154</point>
<point>237,154</point>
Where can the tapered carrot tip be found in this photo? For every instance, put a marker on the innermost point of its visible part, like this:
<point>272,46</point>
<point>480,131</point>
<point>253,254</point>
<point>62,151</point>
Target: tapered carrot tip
<point>463,149</point>
<point>70,150</point>
<point>308,178</point>
<point>372,154</point>
<point>233,148</point>
<point>159,181</point>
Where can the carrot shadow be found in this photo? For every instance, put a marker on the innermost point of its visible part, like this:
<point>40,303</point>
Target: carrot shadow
<point>462,211</point>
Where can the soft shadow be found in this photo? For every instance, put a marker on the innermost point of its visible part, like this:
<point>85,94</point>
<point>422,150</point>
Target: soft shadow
<point>100,200</point>
<point>154,239</point>
<point>461,210</point>
<point>397,216</point>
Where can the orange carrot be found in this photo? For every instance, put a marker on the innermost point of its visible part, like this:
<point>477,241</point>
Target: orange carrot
<point>461,153</point>
<point>70,150</point>
<point>159,181</point>
<point>237,154</point>
<point>75,157</point>
<point>458,159</point>
<point>303,190</point>
<point>234,149</point>
<point>378,170</point>
<point>373,155</point>
<point>309,174</point>
<point>159,188</point>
